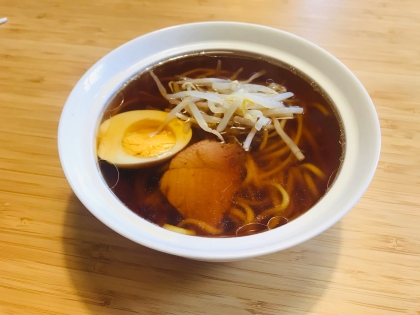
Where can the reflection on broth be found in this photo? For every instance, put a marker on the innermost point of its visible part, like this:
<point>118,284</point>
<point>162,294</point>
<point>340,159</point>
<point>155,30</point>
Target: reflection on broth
<point>270,161</point>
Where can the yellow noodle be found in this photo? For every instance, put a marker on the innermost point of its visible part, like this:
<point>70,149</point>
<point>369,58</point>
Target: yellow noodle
<point>176,88</point>
<point>212,73</point>
<point>290,181</point>
<point>207,74</point>
<point>299,129</point>
<point>279,153</point>
<point>251,170</point>
<point>278,208</point>
<point>273,147</point>
<point>235,75</point>
<point>249,174</point>
<point>170,84</point>
<point>218,68</point>
<point>278,168</point>
<point>321,108</point>
<point>273,156</point>
<point>250,191</point>
<point>283,123</point>
<point>250,217</point>
<point>314,169</point>
<point>274,196</point>
<point>273,133</point>
<point>278,143</point>
<point>285,196</point>
<point>274,221</point>
<point>264,140</point>
<point>202,225</point>
<point>294,177</point>
<point>178,229</point>
<point>187,73</point>
<point>311,184</point>
<point>279,177</point>
<point>299,176</point>
<point>255,171</point>
<point>238,213</point>
<point>310,139</point>
<point>255,202</point>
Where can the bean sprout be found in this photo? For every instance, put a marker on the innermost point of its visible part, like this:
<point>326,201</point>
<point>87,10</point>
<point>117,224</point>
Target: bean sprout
<point>227,103</point>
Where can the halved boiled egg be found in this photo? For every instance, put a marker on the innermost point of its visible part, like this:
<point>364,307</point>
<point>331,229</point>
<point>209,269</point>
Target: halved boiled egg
<point>126,141</point>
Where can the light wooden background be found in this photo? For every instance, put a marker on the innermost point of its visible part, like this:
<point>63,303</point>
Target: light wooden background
<point>56,258</point>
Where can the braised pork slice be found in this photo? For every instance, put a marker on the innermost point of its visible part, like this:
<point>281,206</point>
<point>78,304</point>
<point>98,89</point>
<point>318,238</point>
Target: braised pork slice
<point>202,179</point>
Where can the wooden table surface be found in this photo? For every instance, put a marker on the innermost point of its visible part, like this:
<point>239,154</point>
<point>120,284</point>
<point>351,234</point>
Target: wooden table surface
<point>56,258</point>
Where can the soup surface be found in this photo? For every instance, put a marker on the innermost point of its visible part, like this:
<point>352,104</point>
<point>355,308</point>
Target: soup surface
<point>268,185</point>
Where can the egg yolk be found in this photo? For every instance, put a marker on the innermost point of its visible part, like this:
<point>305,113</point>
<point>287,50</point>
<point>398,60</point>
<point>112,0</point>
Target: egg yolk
<point>137,142</point>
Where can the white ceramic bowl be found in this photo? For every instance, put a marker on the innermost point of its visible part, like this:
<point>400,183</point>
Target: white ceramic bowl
<point>81,115</point>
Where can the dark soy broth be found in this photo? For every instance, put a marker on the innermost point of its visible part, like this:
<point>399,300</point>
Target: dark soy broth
<point>321,140</point>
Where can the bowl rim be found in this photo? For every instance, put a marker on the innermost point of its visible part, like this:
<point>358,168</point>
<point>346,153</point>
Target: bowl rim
<point>80,118</point>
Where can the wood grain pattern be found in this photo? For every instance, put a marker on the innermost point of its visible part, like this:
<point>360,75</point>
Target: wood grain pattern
<point>56,258</point>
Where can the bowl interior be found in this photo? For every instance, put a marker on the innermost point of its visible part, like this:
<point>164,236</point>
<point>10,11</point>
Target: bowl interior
<point>83,111</point>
